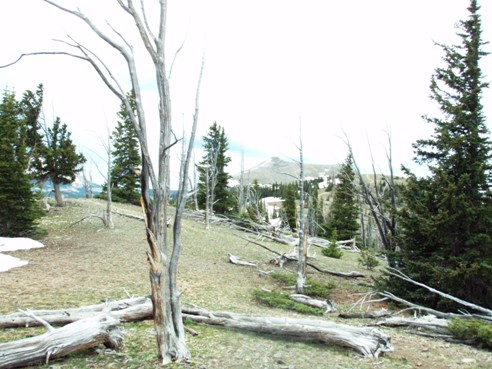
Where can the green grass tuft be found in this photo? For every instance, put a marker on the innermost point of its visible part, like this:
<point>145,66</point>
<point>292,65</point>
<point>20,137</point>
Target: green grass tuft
<point>282,301</point>
<point>315,289</point>
<point>475,330</point>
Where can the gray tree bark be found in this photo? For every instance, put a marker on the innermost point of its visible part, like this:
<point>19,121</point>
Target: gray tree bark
<point>368,342</point>
<point>76,336</point>
<point>58,194</point>
<point>162,258</point>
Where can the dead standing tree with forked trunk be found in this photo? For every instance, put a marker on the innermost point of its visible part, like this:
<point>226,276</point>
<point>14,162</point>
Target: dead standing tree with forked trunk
<point>163,257</point>
<point>382,205</point>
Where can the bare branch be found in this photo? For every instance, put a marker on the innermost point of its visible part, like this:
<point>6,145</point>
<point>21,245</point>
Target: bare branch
<point>141,29</point>
<point>42,53</point>
<point>176,53</point>
<point>43,322</point>
<point>396,273</point>
<point>144,15</point>
<point>119,34</point>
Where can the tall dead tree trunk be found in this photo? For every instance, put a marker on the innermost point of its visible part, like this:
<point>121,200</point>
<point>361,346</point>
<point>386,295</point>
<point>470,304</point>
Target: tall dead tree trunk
<point>241,200</point>
<point>302,248</point>
<point>382,206</point>
<point>162,259</point>
<point>108,217</point>
<point>87,185</point>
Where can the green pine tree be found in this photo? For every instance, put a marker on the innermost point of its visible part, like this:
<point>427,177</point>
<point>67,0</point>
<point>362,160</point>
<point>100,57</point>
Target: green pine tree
<point>344,210</point>
<point>18,209</point>
<point>289,207</point>
<point>214,165</point>
<point>332,251</point>
<point>30,107</point>
<point>126,159</point>
<point>61,162</point>
<point>446,225</point>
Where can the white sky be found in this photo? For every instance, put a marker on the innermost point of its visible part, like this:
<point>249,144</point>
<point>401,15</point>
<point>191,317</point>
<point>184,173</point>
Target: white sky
<point>357,66</point>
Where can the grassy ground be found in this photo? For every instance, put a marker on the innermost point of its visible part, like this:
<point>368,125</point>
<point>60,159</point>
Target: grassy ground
<point>86,264</point>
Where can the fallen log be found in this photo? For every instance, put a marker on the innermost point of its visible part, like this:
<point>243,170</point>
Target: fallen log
<point>365,315</point>
<point>326,305</point>
<point>428,322</point>
<point>136,217</point>
<point>352,274</point>
<point>238,261</point>
<point>58,342</point>
<point>126,310</point>
<point>366,341</point>
<point>369,342</point>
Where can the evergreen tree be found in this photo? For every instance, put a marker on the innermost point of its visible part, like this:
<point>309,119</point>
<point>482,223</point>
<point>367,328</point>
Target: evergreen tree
<point>314,216</point>
<point>344,210</point>
<point>289,207</point>
<point>446,224</point>
<point>126,159</point>
<point>30,110</point>
<point>213,178</point>
<point>61,162</point>
<point>18,209</point>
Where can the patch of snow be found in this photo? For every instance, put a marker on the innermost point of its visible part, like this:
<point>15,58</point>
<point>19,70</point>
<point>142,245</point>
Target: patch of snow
<point>8,262</point>
<point>13,244</point>
<point>19,243</point>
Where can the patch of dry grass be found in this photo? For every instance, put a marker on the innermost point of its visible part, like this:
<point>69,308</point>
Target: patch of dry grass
<point>85,264</point>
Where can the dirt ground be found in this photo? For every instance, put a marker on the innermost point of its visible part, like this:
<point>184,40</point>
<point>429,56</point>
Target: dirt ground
<point>84,263</point>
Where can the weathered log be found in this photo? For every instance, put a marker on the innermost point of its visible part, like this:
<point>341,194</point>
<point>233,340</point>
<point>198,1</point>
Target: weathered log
<point>80,335</point>
<point>428,322</point>
<point>238,261</point>
<point>89,217</point>
<point>130,309</point>
<point>352,274</point>
<point>366,341</point>
<point>136,217</point>
<point>326,305</point>
<point>365,315</point>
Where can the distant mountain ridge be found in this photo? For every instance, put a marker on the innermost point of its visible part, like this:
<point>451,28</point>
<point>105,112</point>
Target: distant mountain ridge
<point>277,170</point>
<point>75,190</point>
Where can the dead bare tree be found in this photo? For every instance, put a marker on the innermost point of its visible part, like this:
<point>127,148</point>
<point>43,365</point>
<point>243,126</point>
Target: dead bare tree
<point>382,212</point>
<point>106,144</point>
<point>302,248</point>
<point>211,172</point>
<point>108,216</point>
<point>87,176</point>
<point>241,199</point>
<point>162,259</point>
<point>193,186</point>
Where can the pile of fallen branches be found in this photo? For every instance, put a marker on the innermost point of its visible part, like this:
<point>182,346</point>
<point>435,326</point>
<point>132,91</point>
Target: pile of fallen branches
<point>425,318</point>
<point>267,231</point>
<point>91,326</point>
<point>292,257</point>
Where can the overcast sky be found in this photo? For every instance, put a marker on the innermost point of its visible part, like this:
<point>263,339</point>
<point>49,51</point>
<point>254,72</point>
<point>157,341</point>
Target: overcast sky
<point>360,67</point>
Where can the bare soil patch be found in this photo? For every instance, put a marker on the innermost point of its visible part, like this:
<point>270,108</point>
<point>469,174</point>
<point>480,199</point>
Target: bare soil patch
<point>86,264</point>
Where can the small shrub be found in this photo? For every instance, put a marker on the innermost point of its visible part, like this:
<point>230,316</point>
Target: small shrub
<point>333,251</point>
<point>475,330</point>
<point>315,289</point>
<point>284,278</point>
<point>282,301</point>
<point>367,259</point>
